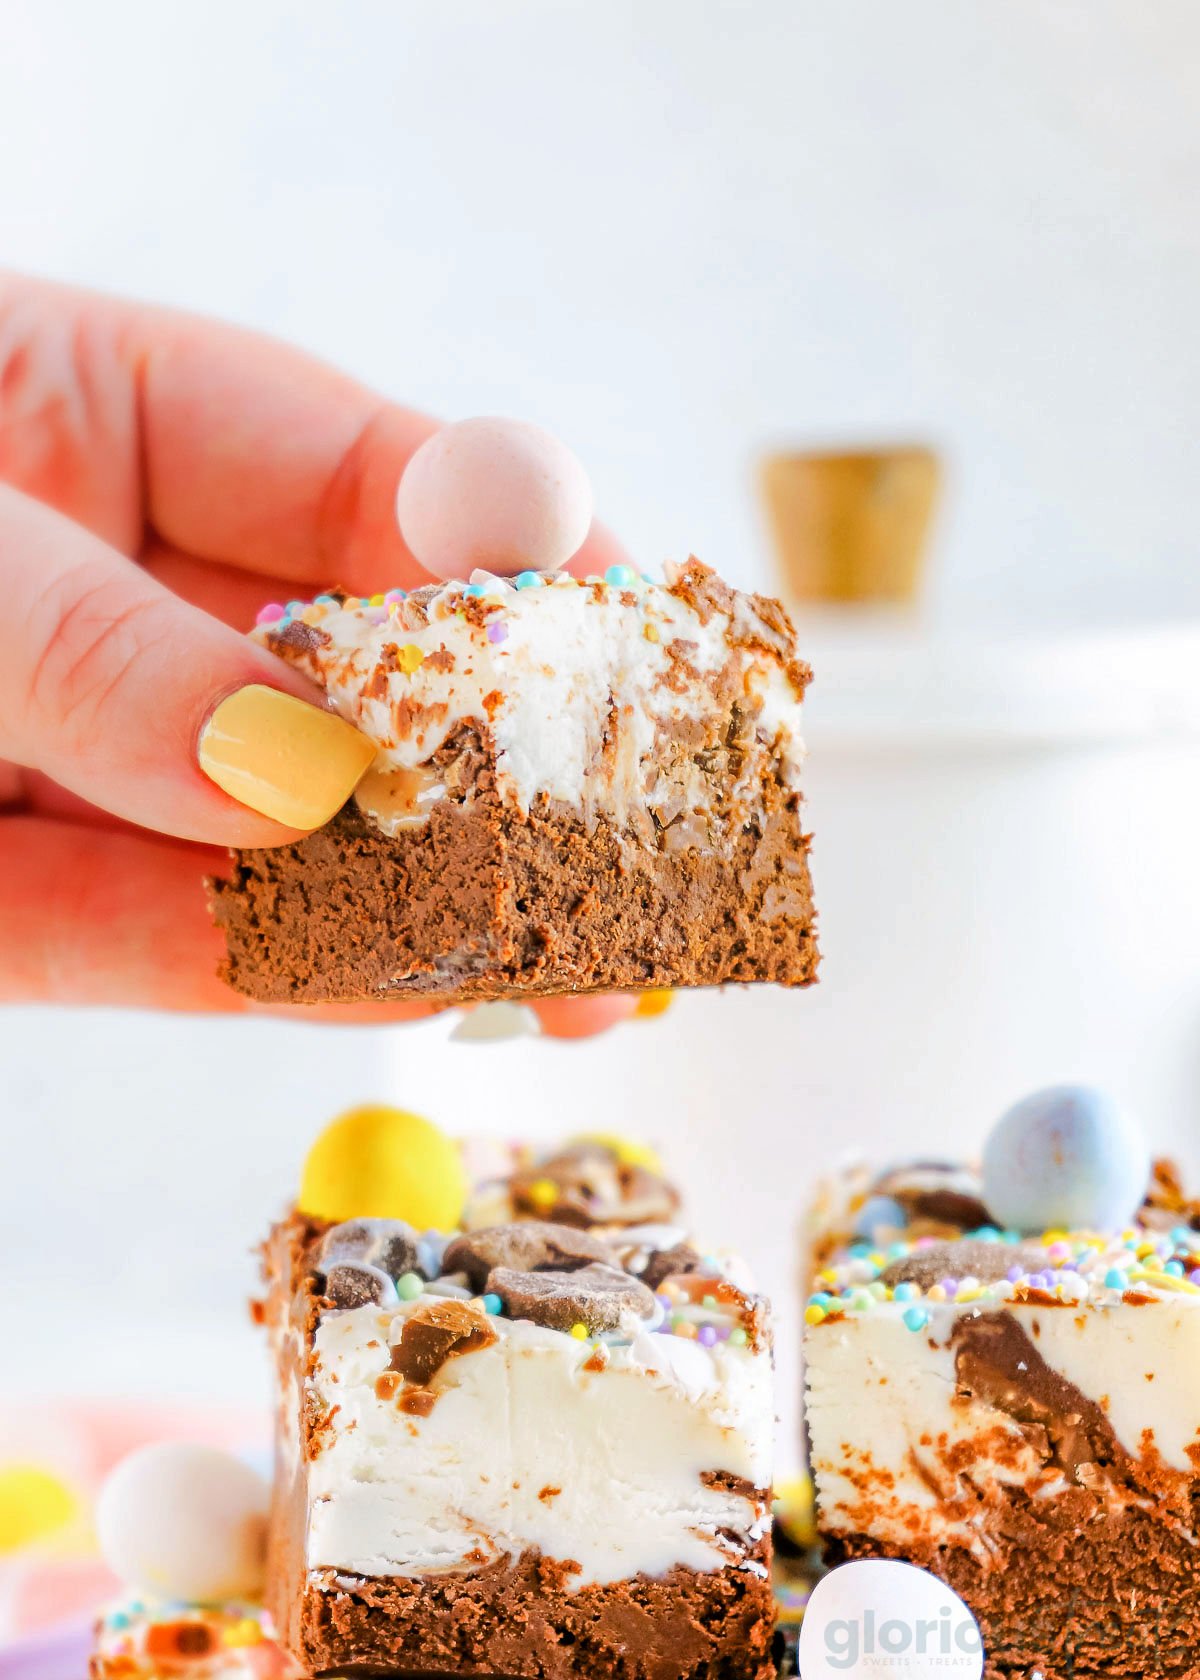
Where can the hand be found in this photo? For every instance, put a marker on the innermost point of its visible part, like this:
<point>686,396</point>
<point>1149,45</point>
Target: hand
<point>160,479</point>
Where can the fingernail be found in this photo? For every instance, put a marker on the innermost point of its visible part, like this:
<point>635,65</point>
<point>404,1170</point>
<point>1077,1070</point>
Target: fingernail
<point>654,1002</point>
<point>282,757</point>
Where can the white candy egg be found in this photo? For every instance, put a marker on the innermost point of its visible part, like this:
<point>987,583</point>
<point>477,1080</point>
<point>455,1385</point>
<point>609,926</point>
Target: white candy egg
<point>501,495</point>
<point>876,1616</point>
<point>184,1522</point>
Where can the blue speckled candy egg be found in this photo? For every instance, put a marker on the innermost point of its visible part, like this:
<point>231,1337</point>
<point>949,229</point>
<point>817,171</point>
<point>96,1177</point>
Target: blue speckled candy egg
<point>1067,1158</point>
<point>878,1215</point>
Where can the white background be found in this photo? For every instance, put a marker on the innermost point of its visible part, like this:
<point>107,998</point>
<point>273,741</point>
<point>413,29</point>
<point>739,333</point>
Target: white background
<point>677,233</point>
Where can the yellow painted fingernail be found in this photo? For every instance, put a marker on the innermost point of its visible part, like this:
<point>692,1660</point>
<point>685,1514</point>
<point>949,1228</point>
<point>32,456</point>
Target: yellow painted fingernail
<point>654,1002</point>
<point>282,757</point>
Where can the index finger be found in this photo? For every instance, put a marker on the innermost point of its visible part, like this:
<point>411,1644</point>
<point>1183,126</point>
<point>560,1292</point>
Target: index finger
<point>231,446</point>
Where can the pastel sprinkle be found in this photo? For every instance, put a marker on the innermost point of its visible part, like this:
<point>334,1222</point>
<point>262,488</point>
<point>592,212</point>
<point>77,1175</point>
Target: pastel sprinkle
<point>497,631</point>
<point>270,614</point>
<point>916,1318</point>
<point>579,1331</point>
<point>906,1292</point>
<point>474,590</point>
<point>492,1304</point>
<point>410,1286</point>
<point>410,658</point>
<point>738,1337</point>
<point>620,577</point>
<point>543,1192</point>
<point>814,1314</point>
<point>707,1336</point>
<point>393,597</point>
<point>527,580</point>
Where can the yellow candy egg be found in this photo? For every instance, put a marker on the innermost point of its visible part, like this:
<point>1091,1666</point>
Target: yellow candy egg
<point>794,1510</point>
<point>378,1162</point>
<point>34,1503</point>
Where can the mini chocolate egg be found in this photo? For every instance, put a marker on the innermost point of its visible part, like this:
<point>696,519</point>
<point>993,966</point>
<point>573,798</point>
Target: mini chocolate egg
<point>879,1213</point>
<point>1066,1158</point>
<point>184,1522</point>
<point>389,1244</point>
<point>377,1162</point>
<point>502,496</point>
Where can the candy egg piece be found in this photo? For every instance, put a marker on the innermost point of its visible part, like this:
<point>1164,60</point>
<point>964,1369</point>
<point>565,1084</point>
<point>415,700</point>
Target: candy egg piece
<point>381,1162</point>
<point>184,1522</point>
<point>503,496</point>
<point>1066,1158</point>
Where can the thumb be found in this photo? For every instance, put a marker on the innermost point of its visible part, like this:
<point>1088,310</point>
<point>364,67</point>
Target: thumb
<point>145,706</point>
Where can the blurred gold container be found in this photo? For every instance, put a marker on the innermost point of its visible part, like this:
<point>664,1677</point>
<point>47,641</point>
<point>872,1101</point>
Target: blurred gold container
<point>852,526</point>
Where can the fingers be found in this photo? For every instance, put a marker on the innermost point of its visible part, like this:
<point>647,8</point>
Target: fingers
<point>103,917</point>
<point>141,423</point>
<point>108,681</point>
<point>117,918</point>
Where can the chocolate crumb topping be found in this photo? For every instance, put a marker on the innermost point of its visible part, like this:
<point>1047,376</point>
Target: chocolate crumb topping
<point>301,637</point>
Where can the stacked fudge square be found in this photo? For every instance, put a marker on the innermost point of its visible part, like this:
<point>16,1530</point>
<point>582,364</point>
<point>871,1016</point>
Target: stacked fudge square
<point>1016,1410</point>
<point>535,1447</point>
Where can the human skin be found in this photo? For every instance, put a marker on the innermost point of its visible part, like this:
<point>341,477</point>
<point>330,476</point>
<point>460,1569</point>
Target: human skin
<point>161,477</point>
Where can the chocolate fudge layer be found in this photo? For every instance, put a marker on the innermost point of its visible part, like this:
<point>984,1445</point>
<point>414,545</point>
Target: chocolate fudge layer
<point>1021,1416</point>
<point>578,787</point>
<point>526,1450</point>
<point>523,1622</point>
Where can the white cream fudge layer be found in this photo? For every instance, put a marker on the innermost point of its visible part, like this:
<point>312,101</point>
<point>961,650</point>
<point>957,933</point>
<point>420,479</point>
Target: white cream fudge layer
<point>619,1457</point>
<point>901,1448</point>
<point>573,687</point>
<point>940,1373</point>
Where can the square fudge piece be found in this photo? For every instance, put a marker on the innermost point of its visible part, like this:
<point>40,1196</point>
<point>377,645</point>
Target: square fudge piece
<point>578,787</point>
<point>530,1449</point>
<point>1019,1415</point>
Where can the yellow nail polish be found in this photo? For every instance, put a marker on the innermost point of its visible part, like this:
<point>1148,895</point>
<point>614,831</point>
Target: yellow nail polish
<point>282,757</point>
<point>654,1002</point>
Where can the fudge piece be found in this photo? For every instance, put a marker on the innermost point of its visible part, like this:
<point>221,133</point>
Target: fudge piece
<point>136,1640</point>
<point>526,1450</point>
<point>578,787</point>
<point>1018,1412</point>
